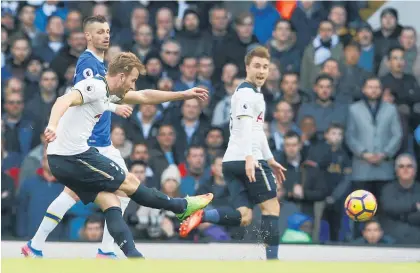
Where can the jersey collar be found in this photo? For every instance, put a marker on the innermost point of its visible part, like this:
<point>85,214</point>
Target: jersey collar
<point>96,56</point>
<point>101,78</point>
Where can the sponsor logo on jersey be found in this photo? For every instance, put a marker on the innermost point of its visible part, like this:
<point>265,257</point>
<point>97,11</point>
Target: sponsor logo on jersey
<point>88,73</point>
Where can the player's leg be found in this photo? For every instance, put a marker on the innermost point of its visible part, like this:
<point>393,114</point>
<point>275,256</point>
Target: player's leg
<point>117,227</point>
<point>148,197</point>
<point>106,249</point>
<point>52,218</point>
<point>264,193</point>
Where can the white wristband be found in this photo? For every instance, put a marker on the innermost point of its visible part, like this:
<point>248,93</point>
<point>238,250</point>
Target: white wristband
<point>112,107</point>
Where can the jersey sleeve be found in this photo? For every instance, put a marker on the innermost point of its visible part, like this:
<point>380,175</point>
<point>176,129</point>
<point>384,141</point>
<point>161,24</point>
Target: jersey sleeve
<point>91,90</point>
<point>115,99</point>
<point>244,104</point>
<point>86,69</point>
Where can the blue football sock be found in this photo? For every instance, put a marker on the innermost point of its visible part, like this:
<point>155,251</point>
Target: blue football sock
<point>121,232</point>
<point>271,235</point>
<point>223,216</point>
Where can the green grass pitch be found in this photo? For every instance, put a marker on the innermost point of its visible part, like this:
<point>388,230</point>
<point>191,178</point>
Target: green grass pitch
<point>166,266</point>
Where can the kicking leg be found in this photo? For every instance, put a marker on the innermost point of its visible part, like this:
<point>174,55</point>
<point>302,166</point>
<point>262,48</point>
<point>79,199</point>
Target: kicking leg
<point>142,195</point>
<point>117,227</point>
<point>52,218</point>
<point>270,211</point>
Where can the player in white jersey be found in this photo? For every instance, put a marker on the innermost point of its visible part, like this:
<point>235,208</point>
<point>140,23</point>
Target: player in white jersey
<point>249,168</point>
<point>92,176</point>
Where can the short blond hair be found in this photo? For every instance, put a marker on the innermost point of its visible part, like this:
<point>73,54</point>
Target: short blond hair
<point>125,62</point>
<point>259,51</point>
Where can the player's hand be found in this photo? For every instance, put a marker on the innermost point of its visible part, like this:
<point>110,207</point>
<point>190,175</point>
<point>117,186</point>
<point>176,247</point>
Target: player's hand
<point>250,166</point>
<point>124,111</point>
<point>278,170</point>
<point>196,93</point>
<point>49,133</point>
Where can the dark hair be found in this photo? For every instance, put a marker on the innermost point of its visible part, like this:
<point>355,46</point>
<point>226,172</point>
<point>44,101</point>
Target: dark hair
<point>281,20</point>
<point>138,162</point>
<point>292,134</point>
<point>46,70</point>
<point>217,156</point>
<point>324,77</point>
<point>194,146</point>
<point>52,17</point>
<point>329,60</point>
<point>187,57</point>
<point>392,49</point>
<point>214,128</point>
<point>353,44</point>
<point>289,73</point>
<point>93,19</point>
<point>335,125</point>
<point>94,218</point>
<point>371,221</point>
<point>239,20</point>
<point>371,78</point>
<point>409,28</point>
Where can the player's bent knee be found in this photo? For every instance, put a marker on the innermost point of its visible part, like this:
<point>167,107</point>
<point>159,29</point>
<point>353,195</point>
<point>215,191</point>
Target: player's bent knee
<point>72,194</point>
<point>106,200</point>
<point>246,216</point>
<point>130,184</point>
<point>270,207</point>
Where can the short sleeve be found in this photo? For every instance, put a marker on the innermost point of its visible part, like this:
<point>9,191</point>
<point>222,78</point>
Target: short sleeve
<point>244,104</point>
<point>85,70</point>
<point>91,90</point>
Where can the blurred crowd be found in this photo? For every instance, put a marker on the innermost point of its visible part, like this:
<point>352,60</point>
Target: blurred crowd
<point>341,97</point>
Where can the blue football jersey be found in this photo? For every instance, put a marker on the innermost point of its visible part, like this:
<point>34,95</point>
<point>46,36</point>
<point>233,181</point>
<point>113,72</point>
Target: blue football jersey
<point>88,66</point>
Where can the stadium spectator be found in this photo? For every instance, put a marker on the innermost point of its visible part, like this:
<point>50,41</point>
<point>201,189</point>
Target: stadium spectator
<point>32,77</point>
<point>372,234</point>
<point>364,38</point>
<point>299,229</point>
<point>338,16</point>
<point>93,229</point>
<point>265,17</point>
<point>138,18</point>
<point>387,36</point>
<point>188,79</point>
<point>170,54</point>
<point>400,203</point>
<point>205,72</point>
<point>27,23</point>
<point>143,41</point>
<point>35,195</point>
<point>219,31</point>
<point>48,10</point>
<point>8,202</point>
<point>194,171</point>
<point>141,152</point>
<point>271,88</point>
<point>164,25</point>
<point>18,131</point>
<point>69,54</point>
<point>282,47</point>
<point>32,161</point>
<point>112,52</point>
<point>143,123</point>
<point>11,161</point>
<point>282,124</point>
<point>73,21</point>
<point>20,54</point>
<point>324,109</point>
<point>290,92</point>
<point>221,115</point>
<point>325,45</point>
<point>309,135</point>
<point>154,68</point>
<point>374,137</point>
<point>119,140</point>
<point>403,86</point>
<point>214,144</point>
<point>50,43</point>
<point>68,80</point>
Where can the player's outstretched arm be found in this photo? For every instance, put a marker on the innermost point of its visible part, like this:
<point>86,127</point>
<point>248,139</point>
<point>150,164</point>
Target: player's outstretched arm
<point>150,96</point>
<point>60,106</point>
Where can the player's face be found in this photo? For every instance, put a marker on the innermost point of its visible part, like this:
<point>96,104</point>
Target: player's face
<point>373,233</point>
<point>292,147</point>
<point>334,136</point>
<point>128,82</point>
<point>257,71</point>
<point>98,35</point>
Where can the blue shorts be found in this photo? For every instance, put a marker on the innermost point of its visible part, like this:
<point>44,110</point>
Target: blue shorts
<point>244,193</point>
<point>87,174</point>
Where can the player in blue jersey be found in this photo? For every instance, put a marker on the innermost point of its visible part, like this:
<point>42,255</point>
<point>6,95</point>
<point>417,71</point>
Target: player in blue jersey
<point>90,64</point>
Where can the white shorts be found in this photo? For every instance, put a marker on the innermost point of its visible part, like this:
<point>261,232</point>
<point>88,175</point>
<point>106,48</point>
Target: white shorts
<point>114,154</point>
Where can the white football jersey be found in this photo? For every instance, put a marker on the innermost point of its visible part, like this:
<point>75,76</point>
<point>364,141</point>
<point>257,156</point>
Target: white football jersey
<point>246,101</point>
<point>76,125</point>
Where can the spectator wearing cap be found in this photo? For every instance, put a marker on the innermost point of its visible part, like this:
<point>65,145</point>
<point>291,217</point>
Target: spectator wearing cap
<point>265,16</point>
<point>76,44</point>
<point>27,23</point>
<point>193,41</point>
<point>400,203</point>
<point>188,79</point>
<point>364,38</point>
<point>16,63</point>
<point>408,41</point>
<point>403,86</point>
<point>154,67</point>
<point>338,16</point>
<point>387,36</point>
<point>143,41</point>
<point>47,10</point>
<point>52,41</point>
<point>170,54</point>
<point>325,45</point>
<point>238,43</point>
<point>374,137</point>
<point>282,47</point>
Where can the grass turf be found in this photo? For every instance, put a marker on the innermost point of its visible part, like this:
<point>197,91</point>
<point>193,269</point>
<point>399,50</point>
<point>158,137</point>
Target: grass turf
<point>166,266</point>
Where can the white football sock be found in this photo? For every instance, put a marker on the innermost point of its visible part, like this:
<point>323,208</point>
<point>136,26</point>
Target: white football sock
<point>52,218</point>
<point>107,240</point>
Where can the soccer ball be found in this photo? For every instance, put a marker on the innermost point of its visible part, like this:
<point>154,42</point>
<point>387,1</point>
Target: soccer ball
<point>360,205</point>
